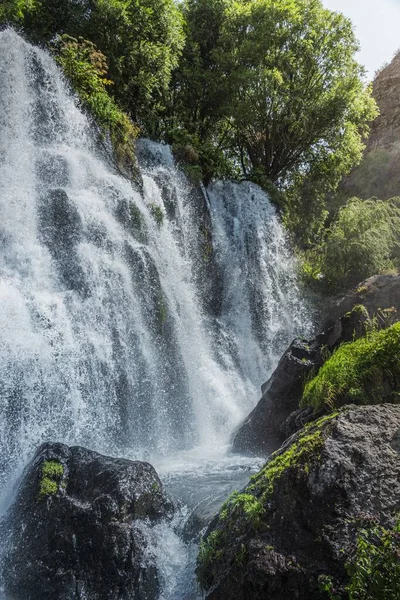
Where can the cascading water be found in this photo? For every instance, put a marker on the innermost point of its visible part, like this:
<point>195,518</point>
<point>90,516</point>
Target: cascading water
<point>106,335</point>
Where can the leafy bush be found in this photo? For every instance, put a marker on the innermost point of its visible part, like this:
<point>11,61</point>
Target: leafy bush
<point>86,68</point>
<point>366,371</point>
<point>362,241</point>
<point>141,40</point>
<point>375,568</point>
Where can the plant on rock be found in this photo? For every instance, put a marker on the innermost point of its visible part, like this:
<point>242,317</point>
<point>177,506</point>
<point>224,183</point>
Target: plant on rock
<point>86,68</point>
<point>366,371</point>
<point>51,474</point>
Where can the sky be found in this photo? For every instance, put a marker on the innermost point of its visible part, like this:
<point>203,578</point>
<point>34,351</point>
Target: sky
<point>377,26</point>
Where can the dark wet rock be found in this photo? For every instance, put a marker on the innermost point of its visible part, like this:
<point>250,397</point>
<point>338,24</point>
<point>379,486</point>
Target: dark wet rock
<point>277,414</point>
<point>261,432</point>
<point>61,230</point>
<point>74,528</point>
<point>300,516</point>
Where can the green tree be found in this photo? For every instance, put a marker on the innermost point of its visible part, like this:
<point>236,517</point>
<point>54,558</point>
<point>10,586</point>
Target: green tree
<point>361,242</point>
<point>275,85</point>
<point>141,39</point>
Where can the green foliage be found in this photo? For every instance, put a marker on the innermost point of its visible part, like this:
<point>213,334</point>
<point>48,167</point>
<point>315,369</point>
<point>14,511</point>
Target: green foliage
<point>366,371</point>
<point>245,504</point>
<point>363,240</point>
<point>375,567</point>
<point>15,11</point>
<point>274,86</point>
<point>360,242</point>
<point>209,549</point>
<point>86,68</point>
<point>51,474</point>
<point>141,40</point>
<point>327,584</point>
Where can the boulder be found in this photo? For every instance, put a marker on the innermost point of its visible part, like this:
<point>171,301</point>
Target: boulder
<point>300,516</point>
<point>277,414</point>
<point>377,292</point>
<point>74,528</point>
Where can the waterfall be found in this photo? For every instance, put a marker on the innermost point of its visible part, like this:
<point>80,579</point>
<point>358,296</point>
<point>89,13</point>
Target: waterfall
<point>108,335</point>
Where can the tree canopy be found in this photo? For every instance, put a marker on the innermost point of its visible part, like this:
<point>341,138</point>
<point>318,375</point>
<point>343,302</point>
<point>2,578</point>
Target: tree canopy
<point>141,40</point>
<point>275,85</point>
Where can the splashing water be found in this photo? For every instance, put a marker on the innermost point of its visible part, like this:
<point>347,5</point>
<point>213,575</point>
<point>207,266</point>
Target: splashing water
<point>108,338</point>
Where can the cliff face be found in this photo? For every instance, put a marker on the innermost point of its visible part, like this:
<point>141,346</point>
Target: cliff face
<point>385,131</point>
<point>379,172</point>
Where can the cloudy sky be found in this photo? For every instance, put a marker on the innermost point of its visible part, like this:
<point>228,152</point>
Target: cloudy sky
<point>377,24</point>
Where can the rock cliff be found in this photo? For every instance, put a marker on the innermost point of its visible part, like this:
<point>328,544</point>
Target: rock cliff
<point>299,518</point>
<point>277,414</point>
<point>379,172</point>
<point>72,529</point>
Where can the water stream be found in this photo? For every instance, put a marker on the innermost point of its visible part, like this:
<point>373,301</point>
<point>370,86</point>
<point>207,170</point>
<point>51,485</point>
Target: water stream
<point>136,322</point>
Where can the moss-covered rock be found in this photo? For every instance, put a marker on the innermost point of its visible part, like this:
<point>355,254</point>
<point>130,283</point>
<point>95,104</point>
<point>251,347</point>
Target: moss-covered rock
<point>366,371</point>
<point>300,516</point>
<point>374,304</point>
<point>72,530</point>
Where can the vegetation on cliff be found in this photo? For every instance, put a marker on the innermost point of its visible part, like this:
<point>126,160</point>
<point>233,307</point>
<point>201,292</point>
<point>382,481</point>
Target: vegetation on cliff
<point>366,371</point>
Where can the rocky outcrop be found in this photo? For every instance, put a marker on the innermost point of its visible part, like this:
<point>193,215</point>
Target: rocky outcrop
<point>300,516</point>
<point>379,172</point>
<point>73,530</point>
<point>277,414</point>
<point>376,293</point>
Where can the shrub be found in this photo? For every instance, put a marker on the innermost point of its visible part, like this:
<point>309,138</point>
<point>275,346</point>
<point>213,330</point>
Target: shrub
<point>86,68</point>
<point>361,242</point>
<point>366,371</point>
<point>375,568</point>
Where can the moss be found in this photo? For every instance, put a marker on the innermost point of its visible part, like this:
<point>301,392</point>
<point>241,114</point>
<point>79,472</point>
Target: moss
<point>52,469</point>
<point>48,487</point>
<point>245,504</point>
<point>362,289</point>
<point>51,474</point>
<point>248,511</point>
<point>366,371</point>
<point>158,214</point>
<point>298,456</point>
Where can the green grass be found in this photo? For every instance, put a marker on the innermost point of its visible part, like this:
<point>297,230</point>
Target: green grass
<point>366,371</point>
